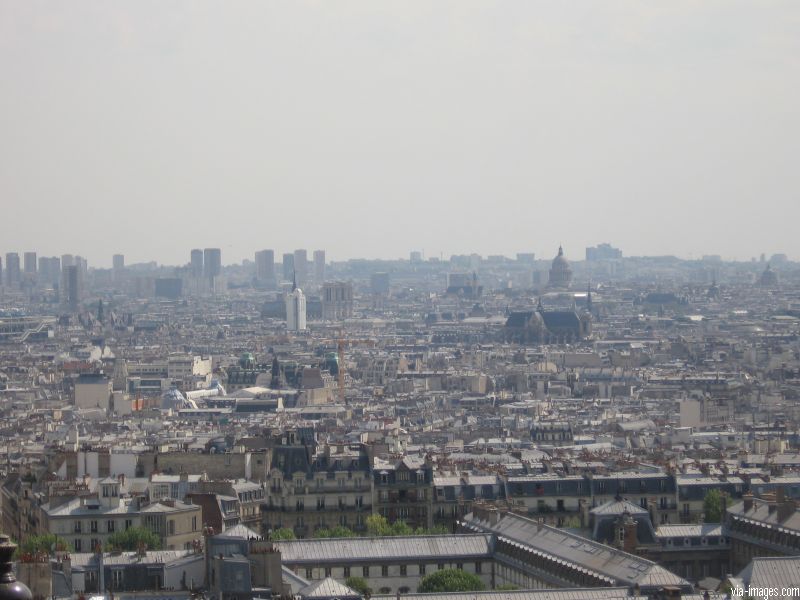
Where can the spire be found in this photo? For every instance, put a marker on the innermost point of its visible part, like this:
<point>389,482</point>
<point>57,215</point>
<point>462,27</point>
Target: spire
<point>294,279</point>
<point>560,250</point>
<point>589,296</point>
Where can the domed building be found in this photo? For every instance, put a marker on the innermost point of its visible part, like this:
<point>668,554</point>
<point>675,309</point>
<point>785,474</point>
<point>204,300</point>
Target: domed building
<point>560,271</point>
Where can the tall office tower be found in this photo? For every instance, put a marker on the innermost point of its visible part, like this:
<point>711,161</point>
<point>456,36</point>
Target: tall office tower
<point>29,263</point>
<point>288,267</point>
<point>67,260</point>
<point>72,287</point>
<point>49,270</point>
<point>337,300</point>
<point>212,262</point>
<point>13,274</point>
<point>415,257</point>
<point>295,309</point>
<point>319,266</point>
<point>265,266</point>
<point>83,266</point>
<point>118,267</point>
<point>196,263</point>
<point>379,284</point>
<point>1,273</point>
<point>301,266</point>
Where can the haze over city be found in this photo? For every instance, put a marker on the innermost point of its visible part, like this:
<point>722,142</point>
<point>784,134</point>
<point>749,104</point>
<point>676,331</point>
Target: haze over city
<point>375,128</point>
<point>399,300</point>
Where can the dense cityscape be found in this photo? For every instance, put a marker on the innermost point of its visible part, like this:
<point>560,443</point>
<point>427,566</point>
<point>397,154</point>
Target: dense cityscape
<point>567,424</point>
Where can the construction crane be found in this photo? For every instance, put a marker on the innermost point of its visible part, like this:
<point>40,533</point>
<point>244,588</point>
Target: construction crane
<point>341,343</point>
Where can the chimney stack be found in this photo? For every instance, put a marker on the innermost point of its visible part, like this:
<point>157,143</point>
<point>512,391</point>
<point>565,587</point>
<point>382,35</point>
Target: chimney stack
<point>748,501</point>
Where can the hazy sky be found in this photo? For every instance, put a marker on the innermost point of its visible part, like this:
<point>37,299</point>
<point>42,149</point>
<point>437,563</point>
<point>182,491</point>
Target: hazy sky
<point>371,128</point>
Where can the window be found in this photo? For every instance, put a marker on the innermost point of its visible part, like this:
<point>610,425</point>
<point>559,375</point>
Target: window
<point>110,526</point>
<point>309,573</point>
<point>343,520</point>
<point>346,572</point>
<point>77,526</point>
<point>327,571</point>
<point>96,544</point>
<point>478,566</point>
<point>128,524</point>
<point>422,569</point>
<point>365,571</point>
<point>77,545</point>
<point>116,578</point>
<point>194,523</point>
<point>384,570</point>
<point>460,566</point>
<point>403,570</point>
<point>171,527</point>
<point>441,566</point>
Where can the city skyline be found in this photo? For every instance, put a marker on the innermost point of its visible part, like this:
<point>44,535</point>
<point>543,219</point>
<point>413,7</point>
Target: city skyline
<point>577,255</point>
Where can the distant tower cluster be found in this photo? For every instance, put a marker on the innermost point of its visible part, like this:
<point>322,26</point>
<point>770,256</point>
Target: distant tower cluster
<point>118,267</point>
<point>196,263</point>
<point>72,287</point>
<point>13,272</point>
<point>319,266</point>
<point>301,266</point>
<point>288,267</point>
<point>265,267</point>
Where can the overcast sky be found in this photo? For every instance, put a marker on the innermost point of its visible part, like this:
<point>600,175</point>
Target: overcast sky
<point>372,128</point>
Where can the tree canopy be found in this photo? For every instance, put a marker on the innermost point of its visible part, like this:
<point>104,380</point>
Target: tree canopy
<point>336,532</point>
<point>360,585</point>
<point>450,580</point>
<point>714,506</point>
<point>284,533</point>
<point>42,544</point>
<point>132,539</point>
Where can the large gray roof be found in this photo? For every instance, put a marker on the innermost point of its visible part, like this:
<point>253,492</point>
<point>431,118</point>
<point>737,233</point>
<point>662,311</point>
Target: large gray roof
<point>418,547</point>
<point>547,594</point>
<point>775,572</point>
<point>615,565</point>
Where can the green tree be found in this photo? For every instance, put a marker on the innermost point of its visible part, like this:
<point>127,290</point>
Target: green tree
<point>400,528</point>
<point>42,544</point>
<point>336,532</point>
<point>714,506</point>
<point>360,585</point>
<point>377,525</point>
<point>284,533</point>
<point>132,539</point>
<point>450,580</point>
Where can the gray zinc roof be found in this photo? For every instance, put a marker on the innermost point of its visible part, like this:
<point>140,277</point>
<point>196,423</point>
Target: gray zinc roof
<point>370,549</point>
<point>620,567</point>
